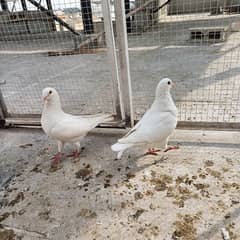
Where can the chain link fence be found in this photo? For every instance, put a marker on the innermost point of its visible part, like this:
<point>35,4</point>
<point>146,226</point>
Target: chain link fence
<point>196,44</point>
<point>58,44</point>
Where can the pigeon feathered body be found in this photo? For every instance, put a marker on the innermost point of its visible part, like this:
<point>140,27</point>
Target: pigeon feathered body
<point>156,124</point>
<point>64,127</point>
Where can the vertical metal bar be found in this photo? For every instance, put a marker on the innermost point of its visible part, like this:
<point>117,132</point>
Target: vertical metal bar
<point>86,10</point>
<point>49,5</point>
<point>4,5</point>
<point>24,5</point>
<point>124,60</point>
<point>128,20</point>
<point>112,55</point>
<point>50,8</point>
<point>3,110</point>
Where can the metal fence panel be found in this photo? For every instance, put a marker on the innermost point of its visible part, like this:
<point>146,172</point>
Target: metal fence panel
<point>59,44</point>
<point>196,44</point>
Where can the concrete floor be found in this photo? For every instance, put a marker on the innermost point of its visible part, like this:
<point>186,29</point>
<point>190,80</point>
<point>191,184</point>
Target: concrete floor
<point>187,194</point>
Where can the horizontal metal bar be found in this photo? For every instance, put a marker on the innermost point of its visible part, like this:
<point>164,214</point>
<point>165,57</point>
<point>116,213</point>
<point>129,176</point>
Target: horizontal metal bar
<point>35,121</point>
<point>209,125</point>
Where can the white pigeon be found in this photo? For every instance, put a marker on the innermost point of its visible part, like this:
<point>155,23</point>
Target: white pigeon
<point>156,125</point>
<point>64,127</point>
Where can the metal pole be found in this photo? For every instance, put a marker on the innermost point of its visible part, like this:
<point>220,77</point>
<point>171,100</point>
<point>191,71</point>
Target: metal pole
<point>4,5</point>
<point>24,5</point>
<point>3,110</point>
<point>50,8</point>
<point>109,34</point>
<point>86,9</point>
<point>49,5</point>
<point>128,20</point>
<point>122,42</point>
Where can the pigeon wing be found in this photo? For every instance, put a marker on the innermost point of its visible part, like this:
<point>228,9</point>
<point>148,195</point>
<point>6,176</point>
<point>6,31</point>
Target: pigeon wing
<point>153,127</point>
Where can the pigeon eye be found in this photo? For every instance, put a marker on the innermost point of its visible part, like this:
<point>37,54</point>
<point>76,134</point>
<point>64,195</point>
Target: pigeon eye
<point>169,83</point>
<point>50,92</point>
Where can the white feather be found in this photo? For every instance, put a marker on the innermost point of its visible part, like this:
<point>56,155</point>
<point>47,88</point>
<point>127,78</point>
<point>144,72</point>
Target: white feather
<point>156,124</point>
<point>65,127</point>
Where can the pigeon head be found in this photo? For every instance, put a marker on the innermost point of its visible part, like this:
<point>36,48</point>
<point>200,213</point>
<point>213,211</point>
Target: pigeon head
<point>164,86</point>
<point>49,95</point>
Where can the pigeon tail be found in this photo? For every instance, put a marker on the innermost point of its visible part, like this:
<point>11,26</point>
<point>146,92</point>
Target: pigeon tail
<point>117,147</point>
<point>120,148</point>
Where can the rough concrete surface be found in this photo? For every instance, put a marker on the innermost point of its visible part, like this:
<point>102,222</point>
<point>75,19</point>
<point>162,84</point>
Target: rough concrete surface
<point>190,193</point>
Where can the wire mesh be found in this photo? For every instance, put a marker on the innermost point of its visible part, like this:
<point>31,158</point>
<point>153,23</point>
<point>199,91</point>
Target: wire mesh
<point>58,44</point>
<point>196,44</point>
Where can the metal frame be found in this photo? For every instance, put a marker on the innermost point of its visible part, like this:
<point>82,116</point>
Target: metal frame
<point>112,55</point>
<point>122,42</point>
<point>3,110</point>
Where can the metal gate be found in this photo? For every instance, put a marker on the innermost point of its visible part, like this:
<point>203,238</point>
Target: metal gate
<point>69,46</point>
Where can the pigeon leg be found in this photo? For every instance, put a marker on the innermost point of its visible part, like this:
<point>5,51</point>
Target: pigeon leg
<point>171,148</point>
<point>56,158</point>
<point>152,151</point>
<point>75,153</point>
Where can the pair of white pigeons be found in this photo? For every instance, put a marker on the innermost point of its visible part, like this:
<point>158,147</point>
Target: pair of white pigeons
<point>152,130</point>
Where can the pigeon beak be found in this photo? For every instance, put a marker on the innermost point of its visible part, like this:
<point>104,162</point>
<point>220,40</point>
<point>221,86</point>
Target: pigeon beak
<point>173,85</point>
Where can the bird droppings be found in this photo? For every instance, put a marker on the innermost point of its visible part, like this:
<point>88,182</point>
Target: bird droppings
<point>136,215</point>
<point>37,168</point>
<point>55,167</point>
<point>130,175</point>
<point>84,173</point>
<point>214,173</point>
<point>3,216</point>
<point>208,163</point>
<point>26,145</point>
<point>185,227</point>
<point>161,182</point>
<point>8,234</point>
<point>231,230</point>
<point>180,195</point>
<point>201,186</point>
<point>138,195</point>
<point>100,173</point>
<point>44,215</point>
<point>184,179</point>
<point>87,213</point>
<point>19,197</point>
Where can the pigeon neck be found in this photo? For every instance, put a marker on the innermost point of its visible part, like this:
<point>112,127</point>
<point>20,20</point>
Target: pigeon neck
<point>163,95</point>
<point>164,101</point>
<point>54,104</point>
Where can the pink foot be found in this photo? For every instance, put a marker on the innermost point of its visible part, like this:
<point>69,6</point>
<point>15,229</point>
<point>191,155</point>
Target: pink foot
<point>152,151</point>
<point>56,158</point>
<point>75,154</point>
<point>171,148</point>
